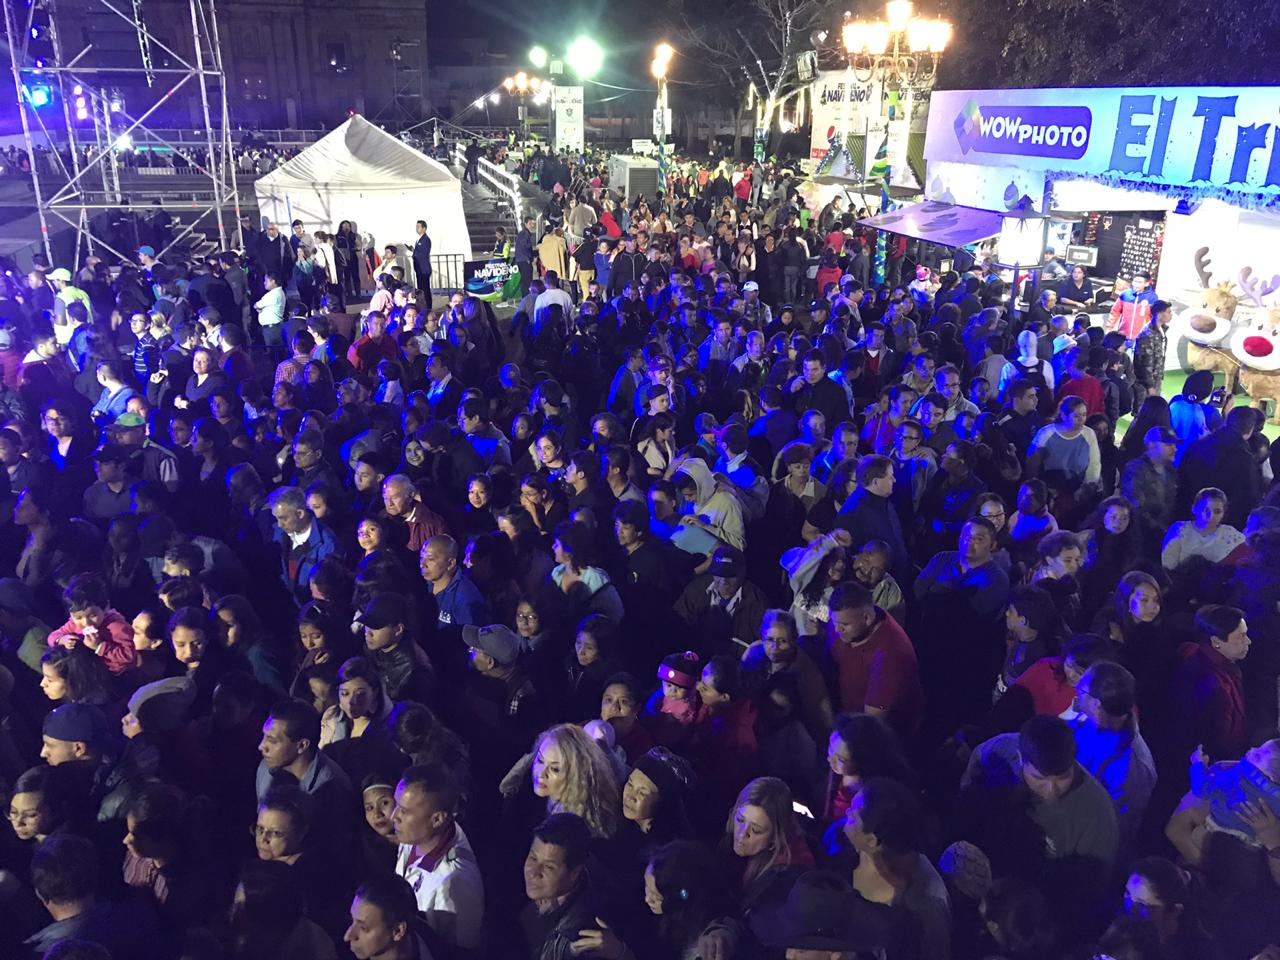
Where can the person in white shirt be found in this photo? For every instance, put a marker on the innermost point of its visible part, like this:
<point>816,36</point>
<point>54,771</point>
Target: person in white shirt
<point>1027,363</point>
<point>1205,535</point>
<point>554,294</point>
<point>270,309</point>
<point>435,856</point>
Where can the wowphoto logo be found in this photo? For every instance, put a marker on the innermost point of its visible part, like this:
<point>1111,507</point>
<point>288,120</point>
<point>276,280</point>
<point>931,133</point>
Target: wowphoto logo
<point>1025,131</point>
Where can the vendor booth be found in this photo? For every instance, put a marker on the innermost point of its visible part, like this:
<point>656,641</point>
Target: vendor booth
<point>361,173</point>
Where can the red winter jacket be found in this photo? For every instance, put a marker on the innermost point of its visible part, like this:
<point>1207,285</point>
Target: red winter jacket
<point>1209,693</point>
<point>724,748</point>
<point>115,637</point>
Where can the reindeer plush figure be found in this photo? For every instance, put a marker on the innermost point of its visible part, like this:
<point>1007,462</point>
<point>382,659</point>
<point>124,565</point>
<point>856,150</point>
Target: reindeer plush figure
<point>1208,325</point>
<point>1255,344</point>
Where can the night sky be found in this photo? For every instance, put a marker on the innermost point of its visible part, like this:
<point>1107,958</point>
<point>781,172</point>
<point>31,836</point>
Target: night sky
<point>627,32</point>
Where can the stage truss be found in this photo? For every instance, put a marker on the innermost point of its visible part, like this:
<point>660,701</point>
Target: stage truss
<point>69,197</point>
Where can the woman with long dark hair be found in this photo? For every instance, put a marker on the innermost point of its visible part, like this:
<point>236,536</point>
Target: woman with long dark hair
<point>243,632</point>
<point>318,389</point>
<point>1149,652</point>
<point>860,747</point>
<point>531,555</point>
<point>1154,412</point>
<point>1111,548</point>
<point>490,562</point>
<point>479,515</point>
<point>1159,891</point>
<point>684,890</point>
<point>1108,452</point>
<point>212,444</point>
<point>74,676</point>
<point>592,661</point>
<point>323,639</point>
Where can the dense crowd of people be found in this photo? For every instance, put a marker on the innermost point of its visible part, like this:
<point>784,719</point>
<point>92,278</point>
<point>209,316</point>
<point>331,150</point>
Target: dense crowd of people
<point>704,609</point>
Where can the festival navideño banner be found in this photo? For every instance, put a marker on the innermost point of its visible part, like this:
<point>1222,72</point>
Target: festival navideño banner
<point>494,280</point>
<point>1189,141</point>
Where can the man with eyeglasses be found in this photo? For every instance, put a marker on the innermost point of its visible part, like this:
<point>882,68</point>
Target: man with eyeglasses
<point>914,465</point>
<point>946,380</point>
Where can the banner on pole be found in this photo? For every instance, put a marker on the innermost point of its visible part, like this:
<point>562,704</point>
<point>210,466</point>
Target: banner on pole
<point>842,107</point>
<point>568,111</point>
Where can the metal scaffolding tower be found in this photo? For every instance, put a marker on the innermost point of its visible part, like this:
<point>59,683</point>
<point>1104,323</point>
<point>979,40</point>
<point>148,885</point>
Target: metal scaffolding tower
<point>100,126</point>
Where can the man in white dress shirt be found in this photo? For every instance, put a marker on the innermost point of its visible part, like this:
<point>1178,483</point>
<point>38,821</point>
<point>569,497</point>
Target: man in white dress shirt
<point>435,856</point>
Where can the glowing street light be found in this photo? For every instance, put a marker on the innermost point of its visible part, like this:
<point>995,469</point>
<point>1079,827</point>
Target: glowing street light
<point>522,86</point>
<point>522,83</point>
<point>493,97</point>
<point>662,55</point>
<point>538,57</point>
<point>902,46</point>
<point>585,57</point>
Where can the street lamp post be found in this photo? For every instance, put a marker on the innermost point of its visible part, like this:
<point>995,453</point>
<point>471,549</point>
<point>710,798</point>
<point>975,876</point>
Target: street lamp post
<point>662,55</point>
<point>521,86</point>
<point>900,51</point>
<point>902,48</point>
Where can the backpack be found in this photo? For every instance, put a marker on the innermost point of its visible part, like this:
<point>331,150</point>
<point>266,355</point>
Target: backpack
<point>1035,376</point>
<point>546,345</point>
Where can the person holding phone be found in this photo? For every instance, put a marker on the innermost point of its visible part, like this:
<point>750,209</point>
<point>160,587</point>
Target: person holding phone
<point>1198,409</point>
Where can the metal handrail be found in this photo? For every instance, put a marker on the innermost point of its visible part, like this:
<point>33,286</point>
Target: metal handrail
<point>447,272</point>
<point>501,180</point>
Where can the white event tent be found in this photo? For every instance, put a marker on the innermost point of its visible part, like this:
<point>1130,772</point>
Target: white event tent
<point>361,173</point>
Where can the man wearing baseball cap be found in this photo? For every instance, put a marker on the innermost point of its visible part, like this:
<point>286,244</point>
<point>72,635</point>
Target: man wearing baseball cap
<point>77,738</point>
<point>147,256</point>
<point>108,497</point>
<point>1151,484</point>
<point>722,608</point>
<point>145,460</point>
<point>74,732</point>
<point>504,709</point>
<point>67,294</point>
<point>403,667</point>
<point>755,308</point>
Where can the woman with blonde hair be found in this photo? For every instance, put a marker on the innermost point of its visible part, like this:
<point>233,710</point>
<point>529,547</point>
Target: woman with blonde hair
<point>573,774</point>
<point>762,831</point>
